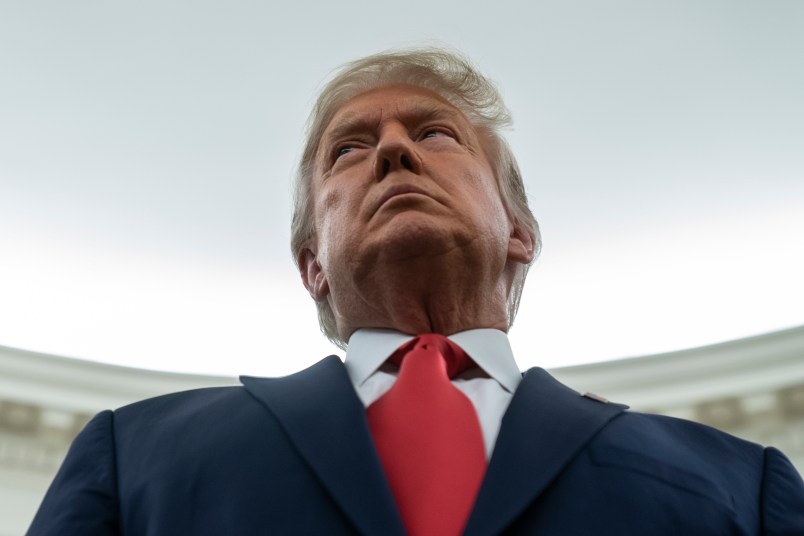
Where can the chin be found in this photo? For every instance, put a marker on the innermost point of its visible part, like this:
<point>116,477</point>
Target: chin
<point>415,235</point>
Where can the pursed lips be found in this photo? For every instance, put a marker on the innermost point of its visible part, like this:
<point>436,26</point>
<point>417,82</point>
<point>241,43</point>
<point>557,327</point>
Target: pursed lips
<point>395,191</point>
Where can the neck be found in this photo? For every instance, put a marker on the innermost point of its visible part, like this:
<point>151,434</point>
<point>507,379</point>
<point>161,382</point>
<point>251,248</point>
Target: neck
<point>427,297</point>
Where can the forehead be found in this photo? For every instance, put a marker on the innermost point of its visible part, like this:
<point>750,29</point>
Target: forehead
<point>401,101</point>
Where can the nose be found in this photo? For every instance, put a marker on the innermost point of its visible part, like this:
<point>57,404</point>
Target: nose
<point>396,152</point>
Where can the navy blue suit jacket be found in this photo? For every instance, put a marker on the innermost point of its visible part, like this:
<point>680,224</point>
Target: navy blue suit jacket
<point>293,455</point>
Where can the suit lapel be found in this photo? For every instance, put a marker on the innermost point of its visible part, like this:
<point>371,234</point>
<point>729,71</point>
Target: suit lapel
<point>544,427</point>
<point>320,412</point>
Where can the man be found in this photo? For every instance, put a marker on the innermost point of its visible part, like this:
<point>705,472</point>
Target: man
<point>411,219</point>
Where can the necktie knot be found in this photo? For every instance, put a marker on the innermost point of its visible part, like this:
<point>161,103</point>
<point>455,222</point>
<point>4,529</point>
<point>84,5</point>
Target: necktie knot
<point>455,359</point>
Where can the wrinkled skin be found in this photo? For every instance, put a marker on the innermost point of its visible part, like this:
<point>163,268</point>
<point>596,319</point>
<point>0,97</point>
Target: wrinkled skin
<point>410,230</point>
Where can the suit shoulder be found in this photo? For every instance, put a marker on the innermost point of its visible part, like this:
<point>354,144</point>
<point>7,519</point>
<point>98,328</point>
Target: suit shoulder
<point>679,445</point>
<point>647,429</point>
<point>173,409</point>
<point>201,396</point>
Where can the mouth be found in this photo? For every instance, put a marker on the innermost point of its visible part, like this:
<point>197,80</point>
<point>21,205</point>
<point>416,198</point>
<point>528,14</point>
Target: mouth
<point>396,191</point>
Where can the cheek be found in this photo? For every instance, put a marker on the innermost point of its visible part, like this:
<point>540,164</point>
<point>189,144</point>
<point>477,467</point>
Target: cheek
<point>489,201</point>
<point>335,213</point>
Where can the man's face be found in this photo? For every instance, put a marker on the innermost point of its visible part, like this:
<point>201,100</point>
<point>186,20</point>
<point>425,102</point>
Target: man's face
<point>401,174</point>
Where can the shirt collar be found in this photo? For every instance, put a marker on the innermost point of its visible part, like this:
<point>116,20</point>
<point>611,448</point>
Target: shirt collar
<point>489,348</point>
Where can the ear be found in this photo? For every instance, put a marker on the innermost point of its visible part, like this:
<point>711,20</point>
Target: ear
<point>521,244</point>
<point>313,277</point>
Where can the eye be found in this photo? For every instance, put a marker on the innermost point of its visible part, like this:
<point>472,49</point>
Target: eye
<point>341,150</point>
<point>435,133</point>
<point>345,148</point>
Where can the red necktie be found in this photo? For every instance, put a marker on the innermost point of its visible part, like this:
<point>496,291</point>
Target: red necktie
<point>428,438</point>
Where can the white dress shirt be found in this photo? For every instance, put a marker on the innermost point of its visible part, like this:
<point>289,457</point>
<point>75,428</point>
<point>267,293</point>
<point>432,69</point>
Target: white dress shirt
<point>489,388</point>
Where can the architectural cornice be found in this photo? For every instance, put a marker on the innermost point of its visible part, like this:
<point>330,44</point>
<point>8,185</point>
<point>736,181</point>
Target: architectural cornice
<point>86,386</point>
<point>750,366</point>
<point>747,366</point>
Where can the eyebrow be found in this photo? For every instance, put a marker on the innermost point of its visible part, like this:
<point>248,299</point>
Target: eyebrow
<point>426,111</point>
<point>354,123</point>
<point>351,124</point>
